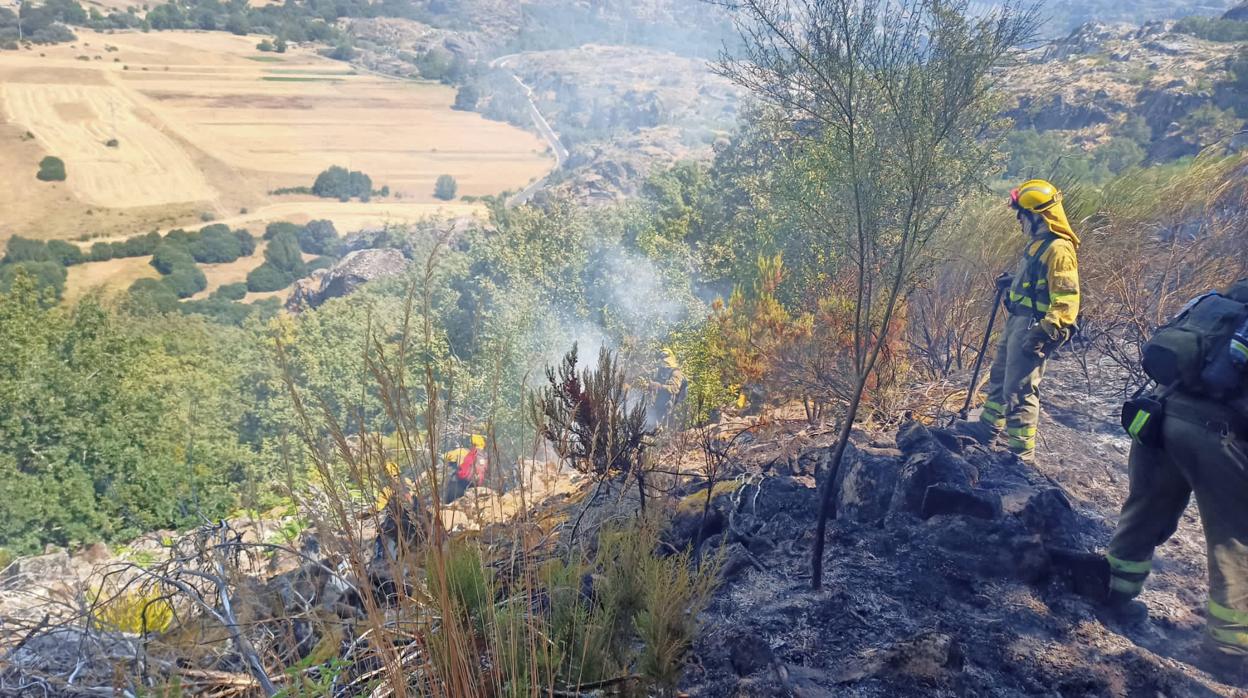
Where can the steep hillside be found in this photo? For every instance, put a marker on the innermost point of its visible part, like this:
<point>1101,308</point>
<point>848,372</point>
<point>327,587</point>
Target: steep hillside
<point>1171,92</point>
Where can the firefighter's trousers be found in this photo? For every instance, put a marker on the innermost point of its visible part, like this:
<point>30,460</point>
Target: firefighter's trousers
<point>1202,453</point>
<point>1014,385</point>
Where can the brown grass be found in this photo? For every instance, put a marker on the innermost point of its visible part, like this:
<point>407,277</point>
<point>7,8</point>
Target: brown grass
<point>110,277</point>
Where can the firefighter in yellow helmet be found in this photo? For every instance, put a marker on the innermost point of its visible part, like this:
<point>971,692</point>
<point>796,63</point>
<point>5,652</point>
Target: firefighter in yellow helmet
<point>1042,297</point>
<point>466,468</point>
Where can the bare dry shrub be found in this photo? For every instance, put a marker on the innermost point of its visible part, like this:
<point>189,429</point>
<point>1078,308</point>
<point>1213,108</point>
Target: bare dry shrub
<point>1155,239</point>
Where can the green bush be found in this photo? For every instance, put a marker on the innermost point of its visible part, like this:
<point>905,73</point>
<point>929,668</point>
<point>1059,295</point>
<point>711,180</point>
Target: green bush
<point>246,242</point>
<point>218,310</point>
<point>51,169</point>
<point>169,256</point>
<point>267,277</point>
<point>100,252</point>
<point>151,295</point>
<point>216,244</point>
<point>276,227</point>
<point>186,280</point>
<point>283,254</point>
<point>48,276</point>
<point>66,253</point>
<point>178,236</point>
<point>20,249</point>
<point>138,245</point>
<point>445,188</point>
<point>318,237</point>
<point>342,184</point>
<point>231,292</point>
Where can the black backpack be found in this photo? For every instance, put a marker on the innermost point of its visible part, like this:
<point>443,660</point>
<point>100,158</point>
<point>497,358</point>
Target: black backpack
<point>1180,355</point>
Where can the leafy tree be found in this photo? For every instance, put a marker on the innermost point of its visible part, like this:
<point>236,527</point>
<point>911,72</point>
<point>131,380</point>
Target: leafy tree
<point>1119,154</point>
<point>318,237</point>
<point>98,413</point>
<point>280,45</point>
<point>216,244</point>
<point>20,249</point>
<point>237,24</point>
<point>445,187</point>
<point>51,169</point>
<point>870,101</point>
<point>265,45</point>
<point>169,256</point>
<point>267,277</point>
<point>231,292</point>
<point>1211,29</point>
<point>66,253</point>
<point>1137,129</point>
<point>100,252</point>
<point>219,310</point>
<point>151,295</point>
<point>186,280</point>
<point>138,245</point>
<point>246,242</point>
<point>339,183</point>
<point>282,253</point>
<point>343,52</point>
<point>272,229</point>
<point>47,277</point>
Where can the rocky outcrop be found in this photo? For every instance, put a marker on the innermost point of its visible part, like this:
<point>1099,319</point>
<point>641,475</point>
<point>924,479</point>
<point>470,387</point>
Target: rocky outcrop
<point>943,554</point>
<point>351,272</point>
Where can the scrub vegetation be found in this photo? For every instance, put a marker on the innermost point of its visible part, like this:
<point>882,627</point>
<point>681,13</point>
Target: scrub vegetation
<point>831,264</point>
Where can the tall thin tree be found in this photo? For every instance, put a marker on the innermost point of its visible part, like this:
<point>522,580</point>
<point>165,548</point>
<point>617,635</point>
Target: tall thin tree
<point>886,118</point>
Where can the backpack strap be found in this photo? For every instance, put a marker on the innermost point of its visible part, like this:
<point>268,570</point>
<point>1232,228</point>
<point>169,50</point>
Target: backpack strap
<point>1035,272</point>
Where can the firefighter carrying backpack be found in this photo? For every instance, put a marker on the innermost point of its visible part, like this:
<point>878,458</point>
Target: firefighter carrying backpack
<point>1180,355</point>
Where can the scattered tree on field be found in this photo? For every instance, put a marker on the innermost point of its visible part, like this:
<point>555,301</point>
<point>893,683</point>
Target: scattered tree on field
<point>51,169</point>
<point>342,184</point>
<point>445,188</point>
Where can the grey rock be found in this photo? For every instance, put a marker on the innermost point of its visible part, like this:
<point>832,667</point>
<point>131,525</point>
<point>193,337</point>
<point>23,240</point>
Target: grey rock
<point>351,272</point>
<point>943,498</point>
<point>866,482</point>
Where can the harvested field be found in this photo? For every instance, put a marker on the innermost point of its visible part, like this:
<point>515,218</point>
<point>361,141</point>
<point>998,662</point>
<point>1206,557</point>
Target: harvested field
<point>203,126</point>
<point>147,168</point>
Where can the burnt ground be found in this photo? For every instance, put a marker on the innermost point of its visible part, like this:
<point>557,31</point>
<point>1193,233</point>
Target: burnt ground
<point>958,596</point>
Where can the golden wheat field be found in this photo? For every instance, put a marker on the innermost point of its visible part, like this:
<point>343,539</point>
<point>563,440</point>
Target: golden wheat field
<point>204,123</point>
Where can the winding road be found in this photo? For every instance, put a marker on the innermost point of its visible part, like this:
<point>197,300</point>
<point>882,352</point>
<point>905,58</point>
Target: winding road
<point>543,127</point>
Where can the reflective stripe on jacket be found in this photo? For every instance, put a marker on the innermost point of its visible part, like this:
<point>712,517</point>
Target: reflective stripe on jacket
<point>1046,282</point>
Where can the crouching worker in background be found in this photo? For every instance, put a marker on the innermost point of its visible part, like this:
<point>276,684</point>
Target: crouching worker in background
<point>1190,435</point>
<point>466,468</point>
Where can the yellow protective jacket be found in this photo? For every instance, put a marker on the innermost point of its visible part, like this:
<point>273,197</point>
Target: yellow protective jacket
<point>1046,282</point>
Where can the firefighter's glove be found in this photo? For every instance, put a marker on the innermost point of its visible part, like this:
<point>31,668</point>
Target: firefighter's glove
<point>1038,340</point>
<point>1054,333</point>
<point>1004,281</point>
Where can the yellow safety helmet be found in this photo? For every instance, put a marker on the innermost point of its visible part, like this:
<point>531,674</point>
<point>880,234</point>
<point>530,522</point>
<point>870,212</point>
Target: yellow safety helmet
<point>1035,195</point>
<point>478,441</point>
